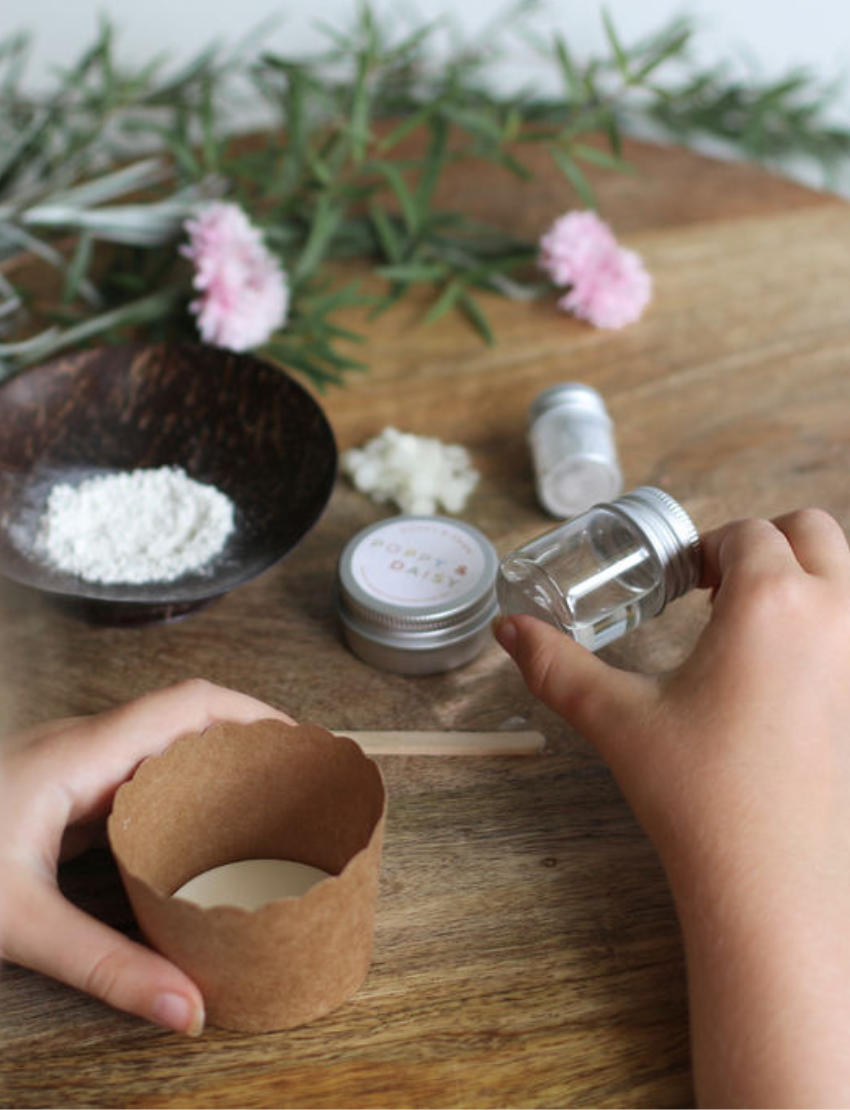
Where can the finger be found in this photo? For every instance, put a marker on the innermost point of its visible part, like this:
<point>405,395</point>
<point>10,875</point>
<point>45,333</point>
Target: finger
<point>41,731</point>
<point>160,717</point>
<point>818,542</point>
<point>119,739</point>
<point>589,694</point>
<point>749,548</point>
<point>59,940</point>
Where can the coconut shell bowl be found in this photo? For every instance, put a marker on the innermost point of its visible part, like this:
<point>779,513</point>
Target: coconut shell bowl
<point>227,419</point>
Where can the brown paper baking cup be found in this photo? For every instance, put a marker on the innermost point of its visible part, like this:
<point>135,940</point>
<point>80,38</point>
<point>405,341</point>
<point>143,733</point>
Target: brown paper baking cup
<point>261,791</point>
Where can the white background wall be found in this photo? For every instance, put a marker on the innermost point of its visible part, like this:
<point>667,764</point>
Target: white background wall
<point>774,33</point>
<point>769,35</point>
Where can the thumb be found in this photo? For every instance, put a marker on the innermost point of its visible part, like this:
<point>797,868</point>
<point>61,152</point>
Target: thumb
<point>589,694</point>
<point>56,938</point>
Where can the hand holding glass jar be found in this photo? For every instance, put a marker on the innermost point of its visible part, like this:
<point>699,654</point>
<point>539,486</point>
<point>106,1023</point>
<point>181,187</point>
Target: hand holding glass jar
<point>737,764</point>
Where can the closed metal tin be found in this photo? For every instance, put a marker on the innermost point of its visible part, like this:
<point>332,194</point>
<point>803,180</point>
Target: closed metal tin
<point>416,594</point>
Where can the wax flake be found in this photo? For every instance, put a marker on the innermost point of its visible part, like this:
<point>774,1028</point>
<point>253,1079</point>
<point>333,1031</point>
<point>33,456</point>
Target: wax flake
<point>418,473</point>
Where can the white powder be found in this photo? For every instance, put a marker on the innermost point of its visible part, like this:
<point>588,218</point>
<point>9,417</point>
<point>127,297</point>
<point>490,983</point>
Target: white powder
<point>418,473</point>
<point>135,526</point>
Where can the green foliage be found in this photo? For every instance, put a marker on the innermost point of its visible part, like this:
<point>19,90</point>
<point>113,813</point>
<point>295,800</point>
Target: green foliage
<point>765,120</point>
<point>348,152</point>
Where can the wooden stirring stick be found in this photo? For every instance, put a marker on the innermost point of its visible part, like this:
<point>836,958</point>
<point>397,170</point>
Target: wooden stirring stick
<point>438,742</point>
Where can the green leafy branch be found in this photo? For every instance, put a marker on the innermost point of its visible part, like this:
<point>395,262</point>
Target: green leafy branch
<point>345,159</point>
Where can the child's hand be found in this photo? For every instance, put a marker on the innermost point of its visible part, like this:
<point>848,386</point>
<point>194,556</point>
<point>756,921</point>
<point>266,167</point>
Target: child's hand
<point>56,787</point>
<point>738,766</point>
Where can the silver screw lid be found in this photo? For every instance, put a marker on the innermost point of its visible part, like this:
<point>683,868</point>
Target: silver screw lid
<point>573,395</point>
<point>670,532</point>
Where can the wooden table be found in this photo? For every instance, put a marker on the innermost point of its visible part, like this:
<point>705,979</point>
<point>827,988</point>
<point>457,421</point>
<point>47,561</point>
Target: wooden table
<point>527,953</point>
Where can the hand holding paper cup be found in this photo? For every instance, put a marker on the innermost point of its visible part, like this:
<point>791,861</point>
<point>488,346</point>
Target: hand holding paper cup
<point>264,791</point>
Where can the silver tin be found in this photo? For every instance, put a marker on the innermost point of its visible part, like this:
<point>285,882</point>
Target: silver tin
<point>572,444</point>
<point>416,594</point>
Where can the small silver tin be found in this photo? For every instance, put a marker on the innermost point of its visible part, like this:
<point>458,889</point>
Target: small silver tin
<point>416,594</point>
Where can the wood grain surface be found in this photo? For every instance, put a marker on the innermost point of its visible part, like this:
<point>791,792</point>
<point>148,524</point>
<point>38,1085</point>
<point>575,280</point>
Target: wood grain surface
<point>527,952</point>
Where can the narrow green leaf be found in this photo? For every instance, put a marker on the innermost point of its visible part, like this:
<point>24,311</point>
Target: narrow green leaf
<point>671,49</point>
<point>477,317</point>
<point>297,359</point>
<point>397,184</point>
<point>326,219</point>
<point>179,148</point>
<point>346,296</point>
<point>392,297</point>
<point>435,160</point>
<point>574,175</point>
<point>106,187</point>
<point>572,82</point>
<point>358,126</point>
<point>411,272</point>
<point>342,40</point>
<point>28,350</point>
<point>517,168</point>
<point>386,233</point>
<point>209,143</point>
<point>296,132</point>
<point>601,158</point>
<point>475,122</point>
<point>408,125</point>
<point>148,309</point>
<point>344,333</point>
<point>587,121</point>
<point>620,55</point>
<point>328,355</point>
<point>452,290</point>
<point>78,267</point>
<point>318,168</point>
<point>136,224</point>
<point>184,79</point>
<point>21,146</point>
<point>512,125</point>
<point>612,131</point>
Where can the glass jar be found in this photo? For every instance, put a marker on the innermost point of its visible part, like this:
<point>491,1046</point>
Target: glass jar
<point>572,444</point>
<point>606,571</point>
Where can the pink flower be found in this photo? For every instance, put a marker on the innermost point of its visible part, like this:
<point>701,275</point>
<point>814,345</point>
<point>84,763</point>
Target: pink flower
<point>609,285</point>
<point>244,296</point>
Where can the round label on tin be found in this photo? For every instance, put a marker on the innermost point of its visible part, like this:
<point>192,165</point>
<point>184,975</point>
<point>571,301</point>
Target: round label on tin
<point>417,563</point>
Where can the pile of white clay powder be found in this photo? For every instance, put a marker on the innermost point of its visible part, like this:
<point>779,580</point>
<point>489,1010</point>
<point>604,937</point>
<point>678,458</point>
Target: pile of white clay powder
<point>134,527</point>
